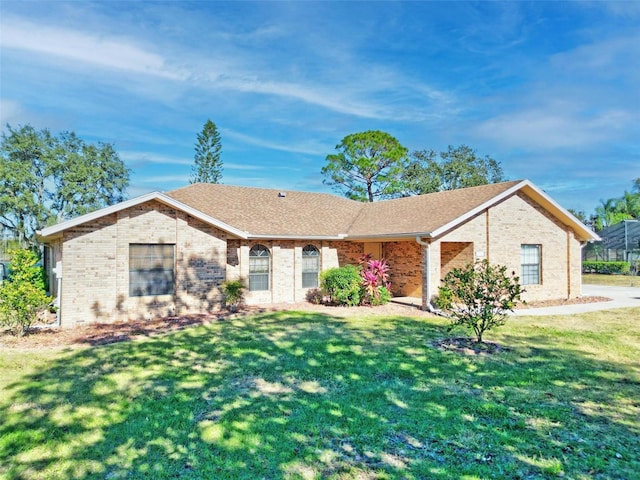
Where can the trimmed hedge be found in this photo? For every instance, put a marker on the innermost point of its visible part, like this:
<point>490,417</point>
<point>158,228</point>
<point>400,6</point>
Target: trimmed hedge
<point>610,268</point>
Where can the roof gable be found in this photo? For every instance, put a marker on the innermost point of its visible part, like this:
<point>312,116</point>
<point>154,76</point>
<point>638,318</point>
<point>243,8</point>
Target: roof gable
<point>54,230</point>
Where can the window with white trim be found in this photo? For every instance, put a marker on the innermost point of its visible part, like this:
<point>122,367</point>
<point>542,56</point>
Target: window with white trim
<point>310,266</point>
<point>259,268</point>
<point>151,269</point>
<point>530,264</point>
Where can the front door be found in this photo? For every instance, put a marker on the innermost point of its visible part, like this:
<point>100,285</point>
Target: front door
<point>374,249</point>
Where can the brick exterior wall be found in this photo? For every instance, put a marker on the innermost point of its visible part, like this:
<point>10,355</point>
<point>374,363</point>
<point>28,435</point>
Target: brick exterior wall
<point>455,255</point>
<point>286,266</point>
<point>95,258</point>
<point>498,234</point>
<point>404,258</point>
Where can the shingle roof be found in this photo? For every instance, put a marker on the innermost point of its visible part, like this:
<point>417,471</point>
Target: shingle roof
<point>259,211</point>
<point>423,214</point>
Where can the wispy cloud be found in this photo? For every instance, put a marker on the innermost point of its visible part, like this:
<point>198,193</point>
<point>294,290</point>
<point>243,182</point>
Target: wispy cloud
<point>142,158</point>
<point>311,148</point>
<point>234,71</point>
<point>553,127</point>
<point>101,51</point>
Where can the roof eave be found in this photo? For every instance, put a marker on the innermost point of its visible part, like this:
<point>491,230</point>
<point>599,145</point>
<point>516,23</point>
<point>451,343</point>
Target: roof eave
<point>275,236</point>
<point>389,236</point>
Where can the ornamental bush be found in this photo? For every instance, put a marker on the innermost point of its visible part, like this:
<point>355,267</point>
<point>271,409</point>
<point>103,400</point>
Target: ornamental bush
<point>607,268</point>
<point>479,296</point>
<point>375,281</point>
<point>233,291</point>
<point>342,285</point>
<point>23,295</point>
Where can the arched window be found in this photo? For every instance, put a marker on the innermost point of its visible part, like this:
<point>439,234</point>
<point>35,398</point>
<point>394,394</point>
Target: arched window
<point>310,266</point>
<point>259,268</point>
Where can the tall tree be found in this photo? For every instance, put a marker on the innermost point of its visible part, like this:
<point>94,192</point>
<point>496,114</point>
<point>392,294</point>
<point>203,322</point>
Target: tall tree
<point>207,167</point>
<point>458,167</point>
<point>45,179</point>
<point>368,166</point>
<point>608,213</point>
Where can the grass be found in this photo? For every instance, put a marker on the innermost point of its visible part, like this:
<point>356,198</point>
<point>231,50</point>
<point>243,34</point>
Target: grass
<point>613,280</point>
<point>295,395</point>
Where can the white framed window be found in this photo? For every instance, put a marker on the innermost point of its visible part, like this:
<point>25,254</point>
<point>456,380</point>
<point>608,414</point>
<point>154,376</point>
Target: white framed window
<point>530,264</point>
<point>151,269</point>
<point>259,268</point>
<point>310,266</point>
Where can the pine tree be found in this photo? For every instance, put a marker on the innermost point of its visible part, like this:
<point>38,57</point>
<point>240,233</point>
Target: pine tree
<point>207,166</point>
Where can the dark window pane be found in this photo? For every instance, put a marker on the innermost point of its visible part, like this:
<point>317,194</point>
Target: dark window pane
<point>151,269</point>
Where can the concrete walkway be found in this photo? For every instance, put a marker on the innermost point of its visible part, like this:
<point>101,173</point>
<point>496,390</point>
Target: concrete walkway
<point>621,297</point>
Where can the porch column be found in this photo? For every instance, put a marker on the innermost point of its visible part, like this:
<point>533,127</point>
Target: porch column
<point>426,273</point>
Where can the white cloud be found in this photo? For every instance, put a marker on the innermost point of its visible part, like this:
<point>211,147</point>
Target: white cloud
<point>152,157</point>
<point>238,166</point>
<point>305,148</point>
<point>233,68</point>
<point>10,112</point>
<point>102,51</point>
<point>553,127</point>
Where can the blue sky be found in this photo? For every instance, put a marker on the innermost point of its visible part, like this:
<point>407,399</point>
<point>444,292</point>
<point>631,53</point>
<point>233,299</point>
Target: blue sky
<point>550,90</point>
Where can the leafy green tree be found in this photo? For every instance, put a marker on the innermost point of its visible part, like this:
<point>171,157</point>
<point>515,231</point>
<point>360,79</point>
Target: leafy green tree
<point>479,296</point>
<point>368,166</point>
<point>458,167</point>
<point>23,295</point>
<point>207,167</point>
<point>45,179</point>
<point>609,213</point>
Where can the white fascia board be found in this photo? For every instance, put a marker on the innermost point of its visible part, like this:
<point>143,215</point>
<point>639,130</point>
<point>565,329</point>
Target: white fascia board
<point>480,208</point>
<point>389,236</point>
<point>576,224</point>
<point>249,236</point>
<point>161,197</point>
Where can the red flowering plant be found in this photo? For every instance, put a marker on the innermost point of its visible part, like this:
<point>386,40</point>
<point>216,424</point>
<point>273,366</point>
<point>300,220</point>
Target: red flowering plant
<point>375,280</point>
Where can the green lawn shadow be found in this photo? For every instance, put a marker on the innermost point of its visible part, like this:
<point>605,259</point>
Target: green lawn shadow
<point>304,395</point>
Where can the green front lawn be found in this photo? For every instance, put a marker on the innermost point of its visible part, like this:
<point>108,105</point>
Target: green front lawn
<point>613,280</point>
<point>307,396</point>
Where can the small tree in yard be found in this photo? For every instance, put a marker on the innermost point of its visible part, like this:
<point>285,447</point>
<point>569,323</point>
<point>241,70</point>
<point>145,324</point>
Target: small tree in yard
<point>23,295</point>
<point>479,296</point>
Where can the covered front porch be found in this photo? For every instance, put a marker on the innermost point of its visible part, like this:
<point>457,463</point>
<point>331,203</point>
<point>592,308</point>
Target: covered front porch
<point>418,268</point>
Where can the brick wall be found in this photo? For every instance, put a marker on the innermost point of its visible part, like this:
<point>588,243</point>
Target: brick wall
<point>286,266</point>
<point>95,260</point>
<point>455,255</point>
<point>497,234</point>
<point>404,258</point>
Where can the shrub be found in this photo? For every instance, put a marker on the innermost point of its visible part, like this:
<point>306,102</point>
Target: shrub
<point>608,268</point>
<point>233,291</point>
<point>23,295</point>
<point>375,281</point>
<point>342,285</point>
<point>314,295</point>
<point>479,296</point>
<point>383,297</point>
